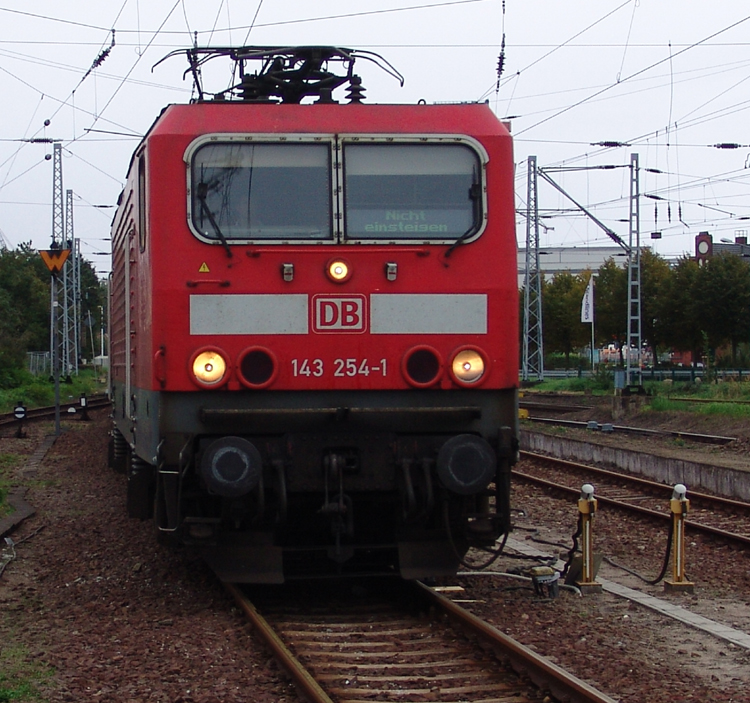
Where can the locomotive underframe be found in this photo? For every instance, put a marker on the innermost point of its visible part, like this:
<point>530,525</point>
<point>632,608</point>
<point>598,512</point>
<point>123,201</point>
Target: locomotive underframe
<point>348,474</point>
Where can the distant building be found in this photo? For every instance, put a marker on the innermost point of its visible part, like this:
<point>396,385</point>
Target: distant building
<point>706,247</point>
<point>575,260</point>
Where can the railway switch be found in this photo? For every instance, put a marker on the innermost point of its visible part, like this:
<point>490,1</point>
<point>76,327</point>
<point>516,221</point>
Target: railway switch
<point>679,506</point>
<point>587,506</point>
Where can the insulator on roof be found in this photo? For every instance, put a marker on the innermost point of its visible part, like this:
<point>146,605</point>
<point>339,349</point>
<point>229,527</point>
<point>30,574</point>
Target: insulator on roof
<point>355,92</point>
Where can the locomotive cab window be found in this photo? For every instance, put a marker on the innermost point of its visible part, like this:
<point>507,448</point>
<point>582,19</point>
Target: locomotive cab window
<point>267,191</point>
<point>412,191</point>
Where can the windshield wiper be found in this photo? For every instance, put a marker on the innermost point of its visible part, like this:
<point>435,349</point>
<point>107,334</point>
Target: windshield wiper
<point>460,241</point>
<point>474,194</point>
<point>202,192</point>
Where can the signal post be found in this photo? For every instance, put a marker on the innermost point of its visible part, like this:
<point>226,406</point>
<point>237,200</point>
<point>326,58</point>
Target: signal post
<point>55,259</point>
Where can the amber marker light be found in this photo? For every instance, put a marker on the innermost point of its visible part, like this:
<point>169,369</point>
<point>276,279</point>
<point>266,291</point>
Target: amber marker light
<point>338,270</point>
<point>468,366</point>
<point>209,368</point>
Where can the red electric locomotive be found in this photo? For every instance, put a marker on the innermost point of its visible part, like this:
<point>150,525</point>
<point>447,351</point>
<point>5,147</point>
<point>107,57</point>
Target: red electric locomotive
<point>314,342</point>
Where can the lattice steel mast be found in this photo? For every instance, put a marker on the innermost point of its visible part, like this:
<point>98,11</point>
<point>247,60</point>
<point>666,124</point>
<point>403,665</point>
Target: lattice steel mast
<point>632,248</point>
<point>533,342</point>
<point>58,238</point>
<point>634,274</point>
<point>71,294</point>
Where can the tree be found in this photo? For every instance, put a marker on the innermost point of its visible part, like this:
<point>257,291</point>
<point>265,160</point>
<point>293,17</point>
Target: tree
<point>24,305</point>
<point>93,307</point>
<point>656,276</point>
<point>561,310</point>
<point>722,295</point>
<point>25,300</point>
<point>611,303</point>
<point>677,308</point>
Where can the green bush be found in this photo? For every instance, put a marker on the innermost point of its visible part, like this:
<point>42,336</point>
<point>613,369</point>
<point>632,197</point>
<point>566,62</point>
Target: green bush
<point>601,383</point>
<point>13,376</point>
<point>39,391</point>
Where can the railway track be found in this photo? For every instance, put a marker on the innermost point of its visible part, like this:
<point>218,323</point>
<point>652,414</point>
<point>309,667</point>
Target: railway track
<point>541,406</point>
<point>609,427</point>
<point>715,515</point>
<point>356,650</point>
<point>94,402</point>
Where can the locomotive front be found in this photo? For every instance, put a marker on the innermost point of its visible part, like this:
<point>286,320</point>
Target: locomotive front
<point>314,328</point>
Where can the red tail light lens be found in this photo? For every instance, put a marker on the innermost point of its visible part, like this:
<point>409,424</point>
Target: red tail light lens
<point>422,366</point>
<point>258,367</point>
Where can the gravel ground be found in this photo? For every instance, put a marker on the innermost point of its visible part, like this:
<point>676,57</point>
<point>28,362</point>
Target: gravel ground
<point>631,653</point>
<point>117,617</point>
<point>113,616</point>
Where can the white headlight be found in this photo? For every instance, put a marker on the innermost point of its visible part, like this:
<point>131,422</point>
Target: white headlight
<point>468,366</point>
<point>209,367</point>
<point>338,270</point>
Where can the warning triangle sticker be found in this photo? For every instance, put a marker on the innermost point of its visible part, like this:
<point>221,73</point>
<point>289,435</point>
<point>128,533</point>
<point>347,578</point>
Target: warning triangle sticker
<point>204,268</point>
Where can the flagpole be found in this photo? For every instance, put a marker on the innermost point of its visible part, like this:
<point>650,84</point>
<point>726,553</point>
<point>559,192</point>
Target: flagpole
<point>587,313</point>
<point>592,340</point>
<point>593,313</point>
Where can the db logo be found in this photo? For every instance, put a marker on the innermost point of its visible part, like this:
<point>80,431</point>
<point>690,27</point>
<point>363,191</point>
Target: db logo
<point>339,314</point>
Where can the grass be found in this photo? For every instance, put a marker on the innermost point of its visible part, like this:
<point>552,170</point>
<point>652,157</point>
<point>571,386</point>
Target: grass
<point>39,391</point>
<point>572,385</point>
<point>665,396</point>
<point>733,410</point>
<point>20,680</point>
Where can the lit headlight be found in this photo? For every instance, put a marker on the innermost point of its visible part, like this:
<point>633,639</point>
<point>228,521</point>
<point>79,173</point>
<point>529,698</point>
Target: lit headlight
<point>209,368</point>
<point>338,270</point>
<point>468,366</point>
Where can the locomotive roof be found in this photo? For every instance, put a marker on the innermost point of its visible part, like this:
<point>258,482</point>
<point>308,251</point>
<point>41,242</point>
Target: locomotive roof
<point>474,119</point>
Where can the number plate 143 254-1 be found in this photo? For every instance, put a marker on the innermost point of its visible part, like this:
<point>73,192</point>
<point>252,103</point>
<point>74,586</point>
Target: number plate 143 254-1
<point>340,367</point>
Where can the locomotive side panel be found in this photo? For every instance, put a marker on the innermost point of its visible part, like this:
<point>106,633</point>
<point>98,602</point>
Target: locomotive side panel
<point>131,301</point>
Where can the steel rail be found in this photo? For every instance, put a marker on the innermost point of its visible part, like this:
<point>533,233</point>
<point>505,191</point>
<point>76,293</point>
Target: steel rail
<point>43,413</point>
<point>603,500</point>
<point>309,687</point>
<point>541,671</point>
<point>718,500</point>
<point>559,407</point>
<point>693,436</point>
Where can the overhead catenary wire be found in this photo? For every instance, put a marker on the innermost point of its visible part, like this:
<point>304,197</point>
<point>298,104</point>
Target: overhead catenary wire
<point>124,38</point>
<point>563,44</point>
<point>637,73</point>
<point>697,121</point>
<point>301,20</point>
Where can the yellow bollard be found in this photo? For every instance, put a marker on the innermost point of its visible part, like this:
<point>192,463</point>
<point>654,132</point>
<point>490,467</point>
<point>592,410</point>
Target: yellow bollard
<point>679,505</point>
<point>587,505</point>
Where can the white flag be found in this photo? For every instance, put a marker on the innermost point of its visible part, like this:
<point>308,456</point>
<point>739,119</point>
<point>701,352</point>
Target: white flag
<point>587,304</point>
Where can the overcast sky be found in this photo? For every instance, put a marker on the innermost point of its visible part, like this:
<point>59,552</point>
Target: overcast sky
<point>667,78</point>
